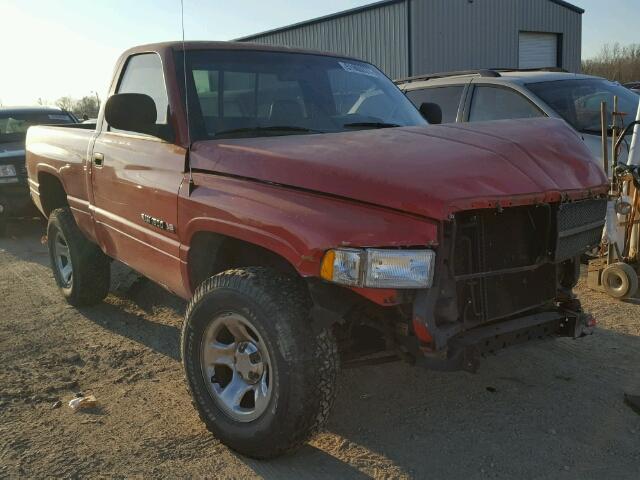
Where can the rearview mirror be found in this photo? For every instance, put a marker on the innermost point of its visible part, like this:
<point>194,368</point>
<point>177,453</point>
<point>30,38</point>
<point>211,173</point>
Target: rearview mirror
<point>431,112</point>
<point>133,112</point>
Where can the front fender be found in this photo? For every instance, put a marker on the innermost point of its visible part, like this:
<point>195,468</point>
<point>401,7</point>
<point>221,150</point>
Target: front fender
<point>297,225</point>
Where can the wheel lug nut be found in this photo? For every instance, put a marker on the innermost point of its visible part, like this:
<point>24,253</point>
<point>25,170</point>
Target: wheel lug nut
<point>254,357</point>
<point>213,379</point>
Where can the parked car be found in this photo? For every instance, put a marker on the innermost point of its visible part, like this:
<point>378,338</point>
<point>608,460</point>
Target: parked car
<point>14,122</point>
<point>505,94</point>
<point>634,86</point>
<point>304,201</point>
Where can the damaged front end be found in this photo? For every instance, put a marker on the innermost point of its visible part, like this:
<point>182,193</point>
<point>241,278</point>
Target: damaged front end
<point>504,276</point>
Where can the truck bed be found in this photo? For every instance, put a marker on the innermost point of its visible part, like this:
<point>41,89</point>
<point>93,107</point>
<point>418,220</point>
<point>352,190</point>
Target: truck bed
<point>63,149</point>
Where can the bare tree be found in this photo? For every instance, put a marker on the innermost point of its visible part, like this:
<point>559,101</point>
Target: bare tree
<point>88,106</point>
<point>615,62</point>
<point>66,103</point>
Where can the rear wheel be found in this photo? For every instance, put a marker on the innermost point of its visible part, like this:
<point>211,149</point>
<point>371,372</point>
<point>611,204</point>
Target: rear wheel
<point>81,270</point>
<point>261,377</point>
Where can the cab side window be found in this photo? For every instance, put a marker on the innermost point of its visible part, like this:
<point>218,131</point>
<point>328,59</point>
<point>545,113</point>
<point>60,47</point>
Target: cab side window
<point>496,103</point>
<point>143,74</point>
<point>447,98</point>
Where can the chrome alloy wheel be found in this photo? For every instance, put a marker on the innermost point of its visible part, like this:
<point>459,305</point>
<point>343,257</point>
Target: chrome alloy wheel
<point>63,259</point>
<point>236,367</point>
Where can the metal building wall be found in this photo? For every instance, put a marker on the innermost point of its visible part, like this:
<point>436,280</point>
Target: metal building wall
<point>453,35</point>
<point>446,35</point>
<point>378,35</point>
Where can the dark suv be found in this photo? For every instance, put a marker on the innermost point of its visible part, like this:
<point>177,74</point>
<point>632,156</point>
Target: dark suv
<point>14,122</point>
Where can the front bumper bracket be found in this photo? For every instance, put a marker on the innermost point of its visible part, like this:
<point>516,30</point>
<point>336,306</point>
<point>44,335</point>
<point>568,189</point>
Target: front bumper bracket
<point>465,350</point>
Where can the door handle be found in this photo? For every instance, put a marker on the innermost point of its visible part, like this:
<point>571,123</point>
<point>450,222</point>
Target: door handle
<point>98,159</point>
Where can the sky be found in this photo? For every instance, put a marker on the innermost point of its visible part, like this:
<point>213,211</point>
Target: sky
<point>55,48</point>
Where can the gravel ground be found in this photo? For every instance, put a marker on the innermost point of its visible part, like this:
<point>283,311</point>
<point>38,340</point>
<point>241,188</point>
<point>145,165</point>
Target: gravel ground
<point>552,409</point>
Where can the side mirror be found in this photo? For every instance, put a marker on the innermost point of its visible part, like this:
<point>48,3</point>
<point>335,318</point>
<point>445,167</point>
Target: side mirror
<point>133,112</point>
<point>431,112</point>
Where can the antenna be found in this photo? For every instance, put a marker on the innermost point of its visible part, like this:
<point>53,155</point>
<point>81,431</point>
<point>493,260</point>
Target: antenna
<point>186,98</point>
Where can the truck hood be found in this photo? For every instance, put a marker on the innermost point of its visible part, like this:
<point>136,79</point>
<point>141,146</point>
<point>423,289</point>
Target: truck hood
<point>430,171</point>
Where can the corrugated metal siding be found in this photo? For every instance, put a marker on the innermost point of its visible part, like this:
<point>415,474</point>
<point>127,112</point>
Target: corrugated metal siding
<point>378,36</point>
<point>447,35</point>
<point>453,35</point>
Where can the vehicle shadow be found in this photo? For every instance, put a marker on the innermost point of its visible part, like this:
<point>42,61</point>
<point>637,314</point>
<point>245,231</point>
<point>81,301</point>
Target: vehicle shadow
<point>309,462</point>
<point>564,396</point>
<point>141,311</point>
<point>159,337</point>
<point>551,409</point>
<point>129,286</point>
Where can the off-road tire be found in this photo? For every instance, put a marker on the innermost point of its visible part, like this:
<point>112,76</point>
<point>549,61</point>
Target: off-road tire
<point>304,359</point>
<point>91,267</point>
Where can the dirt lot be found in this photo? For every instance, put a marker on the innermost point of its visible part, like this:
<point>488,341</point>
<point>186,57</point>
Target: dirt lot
<point>545,410</point>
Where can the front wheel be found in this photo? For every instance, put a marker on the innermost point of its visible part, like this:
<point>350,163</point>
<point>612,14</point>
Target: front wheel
<point>261,377</point>
<point>81,270</point>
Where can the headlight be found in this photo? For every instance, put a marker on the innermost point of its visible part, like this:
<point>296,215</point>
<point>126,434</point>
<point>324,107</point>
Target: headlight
<point>7,171</point>
<point>379,268</point>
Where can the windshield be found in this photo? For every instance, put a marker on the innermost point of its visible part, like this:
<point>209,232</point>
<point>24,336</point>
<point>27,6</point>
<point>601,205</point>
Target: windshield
<point>578,101</point>
<point>14,125</point>
<point>253,93</point>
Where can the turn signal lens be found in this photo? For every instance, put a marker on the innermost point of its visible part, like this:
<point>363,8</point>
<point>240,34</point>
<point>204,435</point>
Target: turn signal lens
<point>342,266</point>
<point>326,269</point>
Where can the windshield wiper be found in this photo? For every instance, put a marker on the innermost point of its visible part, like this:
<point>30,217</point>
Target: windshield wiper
<point>371,125</point>
<point>275,128</point>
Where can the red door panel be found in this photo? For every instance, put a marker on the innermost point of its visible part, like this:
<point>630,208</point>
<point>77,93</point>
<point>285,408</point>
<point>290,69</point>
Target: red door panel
<point>135,186</point>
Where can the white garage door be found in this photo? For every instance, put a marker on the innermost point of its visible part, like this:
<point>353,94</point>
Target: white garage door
<point>538,50</point>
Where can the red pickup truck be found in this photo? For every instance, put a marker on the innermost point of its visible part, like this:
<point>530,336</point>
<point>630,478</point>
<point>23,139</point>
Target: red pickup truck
<point>306,210</point>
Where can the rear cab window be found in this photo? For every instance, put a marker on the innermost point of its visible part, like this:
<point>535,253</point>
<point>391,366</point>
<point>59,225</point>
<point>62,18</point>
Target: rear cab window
<point>447,98</point>
<point>500,103</point>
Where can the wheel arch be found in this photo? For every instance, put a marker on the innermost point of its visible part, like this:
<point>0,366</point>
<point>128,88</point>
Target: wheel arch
<point>51,192</point>
<point>211,252</point>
